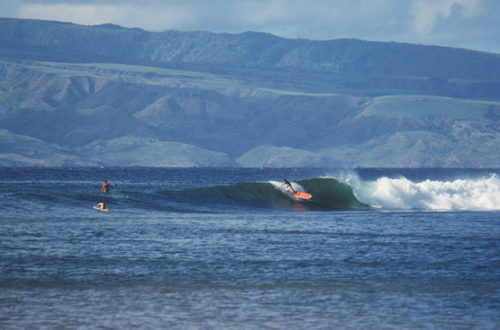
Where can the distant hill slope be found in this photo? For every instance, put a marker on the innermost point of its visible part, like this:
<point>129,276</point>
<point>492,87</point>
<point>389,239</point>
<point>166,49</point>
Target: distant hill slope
<point>19,150</point>
<point>107,95</point>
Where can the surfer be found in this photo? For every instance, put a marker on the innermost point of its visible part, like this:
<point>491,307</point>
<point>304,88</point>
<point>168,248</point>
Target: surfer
<point>289,185</point>
<point>105,186</point>
<point>101,206</point>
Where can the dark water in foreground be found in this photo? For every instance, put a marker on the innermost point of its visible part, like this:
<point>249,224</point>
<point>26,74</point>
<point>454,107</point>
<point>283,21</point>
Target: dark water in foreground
<point>229,248</point>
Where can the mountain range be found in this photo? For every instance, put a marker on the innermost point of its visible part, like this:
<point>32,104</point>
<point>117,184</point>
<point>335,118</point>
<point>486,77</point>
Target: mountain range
<point>74,95</point>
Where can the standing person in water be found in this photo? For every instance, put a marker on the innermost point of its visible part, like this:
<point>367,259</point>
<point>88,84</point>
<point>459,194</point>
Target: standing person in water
<point>105,186</point>
<point>289,185</point>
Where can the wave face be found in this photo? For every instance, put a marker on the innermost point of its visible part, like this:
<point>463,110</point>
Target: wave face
<point>459,194</point>
<point>332,194</point>
<point>328,194</point>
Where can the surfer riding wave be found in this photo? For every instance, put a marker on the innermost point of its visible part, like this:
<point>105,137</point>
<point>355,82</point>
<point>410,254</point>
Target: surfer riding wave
<point>289,186</point>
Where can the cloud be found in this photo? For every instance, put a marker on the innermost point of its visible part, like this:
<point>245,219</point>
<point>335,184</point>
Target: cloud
<point>427,12</point>
<point>125,14</point>
<point>217,15</point>
<point>263,12</point>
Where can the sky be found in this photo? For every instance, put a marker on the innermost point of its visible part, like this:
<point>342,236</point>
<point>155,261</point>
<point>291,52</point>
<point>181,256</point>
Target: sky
<point>472,24</point>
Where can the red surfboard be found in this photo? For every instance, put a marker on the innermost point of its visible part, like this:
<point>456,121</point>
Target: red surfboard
<point>302,195</point>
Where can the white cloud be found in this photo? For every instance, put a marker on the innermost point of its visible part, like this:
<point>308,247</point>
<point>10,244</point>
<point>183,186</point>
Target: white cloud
<point>273,11</point>
<point>427,12</point>
<point>128,15</point>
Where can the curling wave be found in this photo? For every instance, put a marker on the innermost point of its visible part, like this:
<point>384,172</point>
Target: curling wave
<point>328,194</point>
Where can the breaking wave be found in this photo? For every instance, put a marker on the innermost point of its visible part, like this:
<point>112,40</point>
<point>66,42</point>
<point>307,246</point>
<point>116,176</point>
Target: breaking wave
<point>330,193</point>
<point>459,194</point>
<point>347,193</point>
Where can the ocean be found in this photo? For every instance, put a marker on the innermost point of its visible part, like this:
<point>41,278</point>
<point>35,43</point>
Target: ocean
<point>232,249</point>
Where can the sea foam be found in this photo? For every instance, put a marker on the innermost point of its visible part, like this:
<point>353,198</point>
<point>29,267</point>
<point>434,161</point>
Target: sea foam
<point>460,194</point>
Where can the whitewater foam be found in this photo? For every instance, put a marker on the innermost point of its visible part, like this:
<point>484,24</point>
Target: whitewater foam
<point>460,194</point>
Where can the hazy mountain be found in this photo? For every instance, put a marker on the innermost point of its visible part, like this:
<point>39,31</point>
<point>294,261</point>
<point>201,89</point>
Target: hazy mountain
<point>106,95</point>
<point>20,150</point>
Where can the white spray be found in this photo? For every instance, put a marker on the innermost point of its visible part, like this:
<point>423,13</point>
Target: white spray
<point>460,194</point>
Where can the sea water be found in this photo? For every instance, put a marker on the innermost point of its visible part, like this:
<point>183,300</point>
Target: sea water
<point>232,249</point>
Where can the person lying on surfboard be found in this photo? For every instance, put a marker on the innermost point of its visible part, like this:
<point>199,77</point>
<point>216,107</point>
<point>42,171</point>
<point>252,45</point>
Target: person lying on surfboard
<point>289,185</point>
<point>101,206</point>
